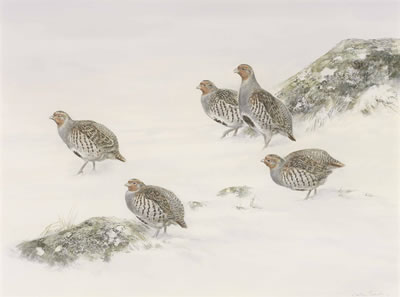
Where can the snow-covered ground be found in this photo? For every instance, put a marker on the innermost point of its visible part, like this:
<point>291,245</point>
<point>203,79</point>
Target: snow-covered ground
<point>341,243</point>
<point>134,66</point>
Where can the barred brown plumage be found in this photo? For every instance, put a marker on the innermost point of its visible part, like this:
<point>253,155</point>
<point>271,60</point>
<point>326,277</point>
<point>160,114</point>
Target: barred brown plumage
<point>260,109</point>
<point>303,170</point>
<point>154,206</point>
<point>88,140</point>
<point>221,105</point>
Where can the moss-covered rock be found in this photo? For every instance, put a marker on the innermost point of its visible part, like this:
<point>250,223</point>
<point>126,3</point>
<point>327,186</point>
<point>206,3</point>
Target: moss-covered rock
<point>243,196</point>
<point>238,191</point>
<point>95,238</point>
<point>359,75</point>
<point>196,204</point>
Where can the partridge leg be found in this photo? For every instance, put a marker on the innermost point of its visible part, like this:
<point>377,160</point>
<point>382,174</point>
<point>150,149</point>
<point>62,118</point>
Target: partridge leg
<point>267,139</point>
<point>156,234</point>
<point>308,195</point>
<point>94,165</point>
<point>165,229</point>
<point>81,170</point>
<point>236,131</point>
<point>227,132</point>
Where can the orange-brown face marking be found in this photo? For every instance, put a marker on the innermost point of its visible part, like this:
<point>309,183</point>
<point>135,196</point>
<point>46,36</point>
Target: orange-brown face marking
<point>59,118</point>
<point>133,187</point>
<point>205,86</point>
<point>134,184</point>
<point>244,71</point>
<point>271,161</point>
<point>59,121</point>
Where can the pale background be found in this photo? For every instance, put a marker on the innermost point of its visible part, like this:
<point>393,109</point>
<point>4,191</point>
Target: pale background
<point>134,66</point>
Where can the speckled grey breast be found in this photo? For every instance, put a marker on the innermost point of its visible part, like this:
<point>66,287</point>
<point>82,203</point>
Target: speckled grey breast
<point>300,179</point>
<point>156,206</point>
<point>223,107</point>
<point>147,211</point>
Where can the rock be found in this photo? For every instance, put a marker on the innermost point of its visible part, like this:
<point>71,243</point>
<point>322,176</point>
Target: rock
<point>196,204</point>
<point>242,194</point>
<point>238,191</point>
<point>95,238</point>
<point>358,75</point>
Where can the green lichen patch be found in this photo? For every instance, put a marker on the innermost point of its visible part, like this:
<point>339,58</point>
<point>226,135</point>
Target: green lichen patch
<point>336,82</point>
<point>93,239</point>
<point>238,191</point>
<point>196,204</point>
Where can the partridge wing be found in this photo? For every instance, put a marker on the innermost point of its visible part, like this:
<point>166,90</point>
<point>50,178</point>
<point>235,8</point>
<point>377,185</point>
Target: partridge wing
<point>307,165</point>
<point>270,110</point>
<point>319,156</point>
<point>98,133</point>
<point>224,107</point>
<point>159,197</point>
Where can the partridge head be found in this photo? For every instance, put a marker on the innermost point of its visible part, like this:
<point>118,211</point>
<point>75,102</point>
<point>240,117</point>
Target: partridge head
<point>134,185</point>
<point>206,87</point>
<point>60,117</point>
<point>244,70</point>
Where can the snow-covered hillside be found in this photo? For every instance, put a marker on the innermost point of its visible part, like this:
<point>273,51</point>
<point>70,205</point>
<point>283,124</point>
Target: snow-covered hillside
<point>358,75</point>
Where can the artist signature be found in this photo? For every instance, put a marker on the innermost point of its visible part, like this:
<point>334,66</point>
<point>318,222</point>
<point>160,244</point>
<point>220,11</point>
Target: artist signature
<point>368,293</point>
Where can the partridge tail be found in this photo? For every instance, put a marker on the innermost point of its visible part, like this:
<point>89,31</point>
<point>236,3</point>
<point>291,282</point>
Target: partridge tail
<point>336,163</point>
<point>181,223</point>
<point>118,156</point>
<point>291,137</point>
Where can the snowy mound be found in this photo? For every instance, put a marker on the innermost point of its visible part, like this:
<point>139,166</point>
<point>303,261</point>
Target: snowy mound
<point>358,75</point>
<point>95,238</point>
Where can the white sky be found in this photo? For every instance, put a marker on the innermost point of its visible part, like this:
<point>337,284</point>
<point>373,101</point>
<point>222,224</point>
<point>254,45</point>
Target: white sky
<point>60,53</point>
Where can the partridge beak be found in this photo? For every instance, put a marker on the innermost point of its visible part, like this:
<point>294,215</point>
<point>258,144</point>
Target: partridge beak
<point>126,185</point>
<point>51,118</point>
<point>262,161</point>
<point>235,70</point>
<point>198,87</point>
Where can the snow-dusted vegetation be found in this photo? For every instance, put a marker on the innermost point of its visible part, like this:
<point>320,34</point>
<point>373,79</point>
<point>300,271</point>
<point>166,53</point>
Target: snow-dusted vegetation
<point>356,75</point>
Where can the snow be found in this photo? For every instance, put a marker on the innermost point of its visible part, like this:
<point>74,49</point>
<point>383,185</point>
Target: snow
<point>318,246</point>
<point>361,54</point>
<point>326,72</point>
<point>133,67</point>
<point>39,251</point>
<point>303,74</point>
<point>379,96</point>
